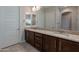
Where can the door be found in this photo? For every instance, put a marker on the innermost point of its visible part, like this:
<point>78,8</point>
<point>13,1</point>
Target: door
<point>9,26</point>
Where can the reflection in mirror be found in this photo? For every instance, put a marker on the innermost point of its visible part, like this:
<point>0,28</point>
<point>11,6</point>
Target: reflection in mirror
<point>69,18</point>
<point>30,19</point>
<point>29,16</point>
<point>66,20</point>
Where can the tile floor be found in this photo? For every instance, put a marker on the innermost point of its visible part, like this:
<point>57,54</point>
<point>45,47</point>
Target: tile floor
<point>20,47</point>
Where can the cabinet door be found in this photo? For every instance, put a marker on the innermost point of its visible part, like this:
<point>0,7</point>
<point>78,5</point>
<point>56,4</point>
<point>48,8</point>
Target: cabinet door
<point>26,35</point>
<point>49,43</point>
<point>52,43</point>
<point>69,46</point>
<point>45,43</point>
<point>30,37</point>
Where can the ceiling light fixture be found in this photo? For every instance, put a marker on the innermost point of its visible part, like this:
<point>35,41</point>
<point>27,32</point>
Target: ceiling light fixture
<point>36,8</point>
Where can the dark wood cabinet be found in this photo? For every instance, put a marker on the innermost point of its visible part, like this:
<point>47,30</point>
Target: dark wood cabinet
<point>29,37</point>
<point>26,35</point>
<point>68,46</point>
<point>49,43</point>
<point>45,44</point>
<point>38,41</point>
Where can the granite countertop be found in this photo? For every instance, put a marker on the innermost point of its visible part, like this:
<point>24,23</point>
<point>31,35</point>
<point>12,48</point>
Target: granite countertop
<point>66,36</point>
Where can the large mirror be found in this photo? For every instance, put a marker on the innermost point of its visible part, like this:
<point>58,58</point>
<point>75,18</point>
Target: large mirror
<point>59,18</point>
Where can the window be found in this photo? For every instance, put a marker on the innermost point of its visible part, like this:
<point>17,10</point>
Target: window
<point>30,19</point>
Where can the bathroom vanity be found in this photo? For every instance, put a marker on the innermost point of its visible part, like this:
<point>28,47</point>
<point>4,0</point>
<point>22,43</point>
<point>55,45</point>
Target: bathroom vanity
<point>51,38</point>
<point>51,41</point>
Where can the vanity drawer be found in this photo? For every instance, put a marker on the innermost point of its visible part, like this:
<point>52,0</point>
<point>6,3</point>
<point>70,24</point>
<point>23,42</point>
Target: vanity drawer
<point>38,40</point>
<point>38,34</point>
